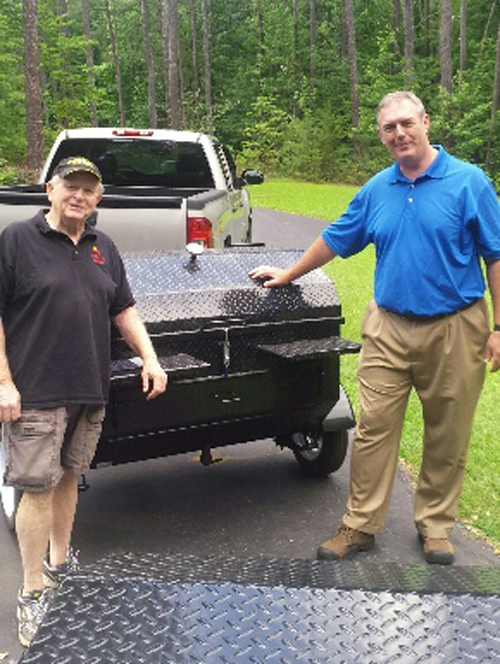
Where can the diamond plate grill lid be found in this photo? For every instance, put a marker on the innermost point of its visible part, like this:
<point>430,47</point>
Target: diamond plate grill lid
<point>174,291</point>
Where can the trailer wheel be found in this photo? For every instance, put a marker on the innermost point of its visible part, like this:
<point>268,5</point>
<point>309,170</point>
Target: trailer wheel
<point>10,496</point>
<point>320,455</point>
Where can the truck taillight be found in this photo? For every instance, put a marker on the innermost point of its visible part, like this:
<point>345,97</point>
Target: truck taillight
<point>199,229</point>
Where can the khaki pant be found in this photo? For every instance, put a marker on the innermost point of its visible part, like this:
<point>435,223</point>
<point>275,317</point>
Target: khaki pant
<point>444,361</point>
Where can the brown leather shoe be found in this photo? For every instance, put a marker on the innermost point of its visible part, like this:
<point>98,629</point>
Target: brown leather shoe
<point>345,543</point>
<point>438,551</point>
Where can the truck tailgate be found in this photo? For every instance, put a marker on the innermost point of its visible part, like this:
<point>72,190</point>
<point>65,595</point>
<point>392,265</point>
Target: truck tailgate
<point>140,221</point>
<point>139,229</point>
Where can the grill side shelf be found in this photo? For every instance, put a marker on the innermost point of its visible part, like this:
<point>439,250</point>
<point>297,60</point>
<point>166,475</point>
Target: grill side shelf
<point>310,348</point>
<point>179,365</point>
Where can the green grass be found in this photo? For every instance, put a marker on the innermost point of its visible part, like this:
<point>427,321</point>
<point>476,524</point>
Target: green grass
<point>324,201</point>
<point>480,501</point>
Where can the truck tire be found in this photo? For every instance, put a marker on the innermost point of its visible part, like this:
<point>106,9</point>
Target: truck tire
<point>10,496</point>
<point>322,454</point>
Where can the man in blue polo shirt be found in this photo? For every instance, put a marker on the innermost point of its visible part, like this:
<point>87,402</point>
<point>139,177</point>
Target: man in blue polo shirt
<point>431,218</point>
<point>62,284</point>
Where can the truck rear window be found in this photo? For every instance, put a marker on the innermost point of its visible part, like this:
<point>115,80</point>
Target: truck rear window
<point>142,162</point>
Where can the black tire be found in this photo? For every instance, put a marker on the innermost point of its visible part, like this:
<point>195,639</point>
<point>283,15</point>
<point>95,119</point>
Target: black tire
<point>320,455</point>
<point>10,496</point>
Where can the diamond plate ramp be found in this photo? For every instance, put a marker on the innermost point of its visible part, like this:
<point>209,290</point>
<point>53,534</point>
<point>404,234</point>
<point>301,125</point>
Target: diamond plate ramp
<point>171,609</point>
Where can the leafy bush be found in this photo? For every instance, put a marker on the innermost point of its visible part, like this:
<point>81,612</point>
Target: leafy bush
<point>10,174</point>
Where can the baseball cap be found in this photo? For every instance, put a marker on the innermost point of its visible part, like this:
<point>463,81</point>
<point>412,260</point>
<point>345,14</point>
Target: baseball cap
<point>76,165</point>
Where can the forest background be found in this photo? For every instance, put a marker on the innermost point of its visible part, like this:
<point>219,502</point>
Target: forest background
<point>290,85</point>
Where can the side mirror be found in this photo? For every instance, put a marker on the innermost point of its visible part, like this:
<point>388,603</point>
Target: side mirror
<point>252,177</point>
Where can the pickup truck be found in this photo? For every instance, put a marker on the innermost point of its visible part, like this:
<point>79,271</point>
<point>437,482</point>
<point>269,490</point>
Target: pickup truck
<point>163,189</point>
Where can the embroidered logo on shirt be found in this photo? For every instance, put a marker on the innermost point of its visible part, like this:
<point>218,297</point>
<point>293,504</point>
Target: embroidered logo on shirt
<point>96,256</point>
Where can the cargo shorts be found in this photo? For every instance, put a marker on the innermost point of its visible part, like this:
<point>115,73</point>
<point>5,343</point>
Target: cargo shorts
<point>42,444</point>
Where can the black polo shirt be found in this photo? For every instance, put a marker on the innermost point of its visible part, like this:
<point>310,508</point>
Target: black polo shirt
<point>56,303</point>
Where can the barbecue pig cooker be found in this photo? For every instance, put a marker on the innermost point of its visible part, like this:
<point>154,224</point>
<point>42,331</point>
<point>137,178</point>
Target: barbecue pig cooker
<point>244,362</point>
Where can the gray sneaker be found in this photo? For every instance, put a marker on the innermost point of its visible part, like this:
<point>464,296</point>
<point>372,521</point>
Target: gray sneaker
<point>54,576</point>
<point>31,610</point>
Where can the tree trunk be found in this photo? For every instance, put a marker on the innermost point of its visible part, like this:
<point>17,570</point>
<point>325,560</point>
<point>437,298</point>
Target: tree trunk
<point>396,25</point>
<point>427,28</point>
<point>194,41</point>
<point>496,81</point>
<point>487,26</point>
<point>89,58</point>
<point>353,61</point>
<point>445,45</point>
<point>64,88</point>
<point>260,27</point>
<point>496,103</point>
<point>165,40</point>
<point>296,58</point>
<point>111,21</point>
<point>463,35</point>
<point>182,107</point>
<point>62,10</point>
<point>312,40</point>
<point>148,51</point>
<point>173,62</point>
<point>409,58</point>
<point>32,86</point>
<point>207,65</point>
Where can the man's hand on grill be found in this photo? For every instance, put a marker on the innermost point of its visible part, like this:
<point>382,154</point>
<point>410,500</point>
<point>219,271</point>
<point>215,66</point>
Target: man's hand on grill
<point>270,276</point>
<point>154,379</point>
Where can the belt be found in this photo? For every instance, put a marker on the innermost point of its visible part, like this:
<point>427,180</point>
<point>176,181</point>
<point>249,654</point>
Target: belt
<point>420,318</point>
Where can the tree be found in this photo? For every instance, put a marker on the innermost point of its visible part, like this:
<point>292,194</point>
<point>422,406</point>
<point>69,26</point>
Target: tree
<point>463,36</point>
<point>12,79</point>
<point>296,59</point>
<point>33,89</point>
<point>111,22</point>
<point>495,103</point>
<point>312,40</point>
<point>150,61</point>
<point>396,25</point>
<point>445,45</point>
<point>353,61</point>
<point>426,26</point>
<point>170,13</point>
<point>194,39</point>
<point>317,67</point>
<point>89,59</point>
<point>207,65</point>
<point>165,50</point>
<point>409,58</point>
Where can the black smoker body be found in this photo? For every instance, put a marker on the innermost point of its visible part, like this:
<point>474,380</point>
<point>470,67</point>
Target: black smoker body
<point>244,362</point>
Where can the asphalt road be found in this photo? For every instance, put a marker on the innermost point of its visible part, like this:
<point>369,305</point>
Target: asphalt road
<point>253,502</point>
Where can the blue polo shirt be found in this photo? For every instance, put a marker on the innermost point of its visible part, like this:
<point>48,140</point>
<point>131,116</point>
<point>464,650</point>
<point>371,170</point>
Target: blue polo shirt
<point>428,234</point>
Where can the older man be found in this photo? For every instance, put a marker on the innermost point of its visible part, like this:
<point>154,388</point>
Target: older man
<point>62,284</point>
<point>431,218</point>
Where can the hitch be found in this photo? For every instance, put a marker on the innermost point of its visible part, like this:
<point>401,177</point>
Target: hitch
<point>83,485</point>
<point>206,457</point>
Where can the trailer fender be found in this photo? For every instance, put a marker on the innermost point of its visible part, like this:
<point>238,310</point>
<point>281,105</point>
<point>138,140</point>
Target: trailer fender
<point>341,415</point>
